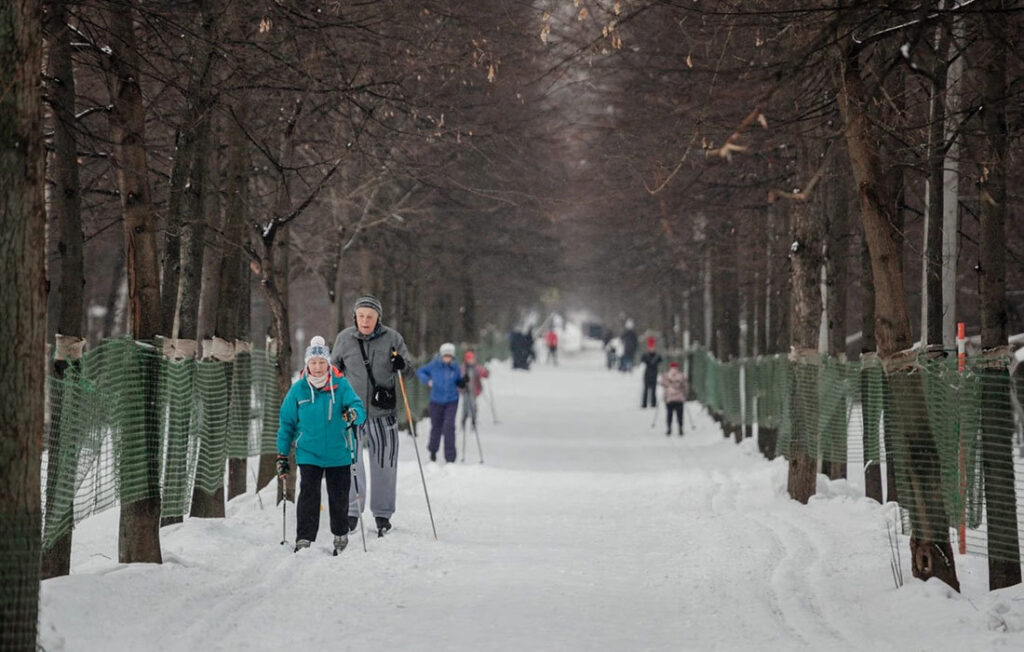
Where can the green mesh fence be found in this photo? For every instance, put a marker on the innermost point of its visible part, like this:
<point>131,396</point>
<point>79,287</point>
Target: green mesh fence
<point>127,422</point>
<point>952,440</point>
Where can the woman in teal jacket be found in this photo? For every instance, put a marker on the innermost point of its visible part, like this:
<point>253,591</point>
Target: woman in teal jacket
<point>314,415</point>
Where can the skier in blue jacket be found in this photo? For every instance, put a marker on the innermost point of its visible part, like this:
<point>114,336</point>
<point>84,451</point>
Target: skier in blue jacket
<point>314,416</point>
<point>444,378</point>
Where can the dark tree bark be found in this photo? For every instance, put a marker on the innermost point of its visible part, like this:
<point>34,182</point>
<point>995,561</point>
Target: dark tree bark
<point>66,214</point>
<point>997,416</point>
<point>931,553</point>
<point>805,256</point>
<point>726,318</point>
<point>233,293</point>
<point>835,207</point>
<point>23,326</point>
<point>139,532</point>
<point>870,405</point>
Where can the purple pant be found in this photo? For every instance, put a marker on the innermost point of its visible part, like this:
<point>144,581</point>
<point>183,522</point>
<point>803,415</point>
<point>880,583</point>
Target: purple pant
<point>442,422</point>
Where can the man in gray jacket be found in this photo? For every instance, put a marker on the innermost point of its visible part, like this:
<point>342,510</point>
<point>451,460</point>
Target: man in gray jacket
<point>371,354</point>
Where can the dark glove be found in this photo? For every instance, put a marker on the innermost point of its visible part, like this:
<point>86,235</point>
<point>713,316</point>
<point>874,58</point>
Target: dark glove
<point>397,362</point>
<point>350,415</point>
<point>461,382</point>
<point>282,466</point>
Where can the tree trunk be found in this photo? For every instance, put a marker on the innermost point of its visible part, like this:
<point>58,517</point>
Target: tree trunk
<point>805,256</point>
<point>951,189</point>
<point>66,212</point>
<point>139,532</point>
<point>931,553</point>
<point>233,294</point>
<point>870,404</point>
<point>997,426</point>
<point>931,281</point>
<point>836,209</point>
<point>170,273</point>
<point>23,326</point>
<point>726,318</point>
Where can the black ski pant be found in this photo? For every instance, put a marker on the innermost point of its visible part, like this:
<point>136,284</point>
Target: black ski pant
<point>308,508</point>
<point>674,407</point>
<point>650,385</point>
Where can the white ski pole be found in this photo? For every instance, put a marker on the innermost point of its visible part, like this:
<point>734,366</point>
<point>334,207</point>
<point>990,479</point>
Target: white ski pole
<point>352,442</point>
<point>490,401</point>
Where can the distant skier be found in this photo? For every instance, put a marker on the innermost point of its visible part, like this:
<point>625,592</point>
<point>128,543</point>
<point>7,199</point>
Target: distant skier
<point>474,373</point>
<point>651,361</point>
<point>629,344</point>
<point>611,355</point>
<point>444,378</point>
<point>313,417</point>
<point>521,345</point>
<point>551,339</point>
<point>676,390</point>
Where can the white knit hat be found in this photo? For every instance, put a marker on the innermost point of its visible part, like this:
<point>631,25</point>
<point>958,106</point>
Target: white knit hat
<point>317,349</point>
<point>448,349</point>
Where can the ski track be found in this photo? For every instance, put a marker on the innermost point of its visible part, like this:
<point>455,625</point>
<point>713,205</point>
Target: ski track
<point>795,580</point>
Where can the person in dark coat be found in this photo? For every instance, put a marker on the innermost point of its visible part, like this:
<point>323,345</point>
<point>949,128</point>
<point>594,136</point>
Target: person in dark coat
<point>629,344</point>
<point>651,361</point>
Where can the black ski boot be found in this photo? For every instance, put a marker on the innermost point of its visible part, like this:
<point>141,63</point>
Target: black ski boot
<point>340,542</point>
<point>383,525</point>
<point>353,523</point>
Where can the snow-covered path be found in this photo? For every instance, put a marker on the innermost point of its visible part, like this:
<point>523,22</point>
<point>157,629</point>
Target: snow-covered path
<point>586,529</point>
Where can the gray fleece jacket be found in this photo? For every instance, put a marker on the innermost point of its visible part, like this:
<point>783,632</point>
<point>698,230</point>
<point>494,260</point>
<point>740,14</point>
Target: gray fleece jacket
<point>346,356</point>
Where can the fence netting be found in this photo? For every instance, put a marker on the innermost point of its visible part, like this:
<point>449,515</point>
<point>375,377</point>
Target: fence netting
<point>948,441</point>
<point>133,420</point>
<point>126,422</point>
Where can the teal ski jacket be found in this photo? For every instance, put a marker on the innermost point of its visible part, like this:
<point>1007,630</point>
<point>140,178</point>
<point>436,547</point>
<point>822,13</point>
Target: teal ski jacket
<point>312,419</point>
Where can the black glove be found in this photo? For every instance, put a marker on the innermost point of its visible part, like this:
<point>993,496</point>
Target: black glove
<point>397,362</point>
<point>461,382</point>
<point>282,466</point>
<point>350,415</point>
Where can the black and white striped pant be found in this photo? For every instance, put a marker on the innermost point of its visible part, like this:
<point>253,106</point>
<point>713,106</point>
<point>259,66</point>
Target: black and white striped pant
<point>379,435</point>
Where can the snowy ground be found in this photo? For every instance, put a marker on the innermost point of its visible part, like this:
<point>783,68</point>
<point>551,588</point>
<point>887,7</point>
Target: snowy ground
<point>586,529</point>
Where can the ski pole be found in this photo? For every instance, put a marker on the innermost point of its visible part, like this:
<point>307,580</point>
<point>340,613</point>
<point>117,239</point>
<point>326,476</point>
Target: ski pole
<point>465,408</point>
<point>350,438</point>
<point>478,449</point>
<point>412,429</point>
<point>284,511</point>
<point>463,442</point>
<point>689,417</point>
<point>490,401</point>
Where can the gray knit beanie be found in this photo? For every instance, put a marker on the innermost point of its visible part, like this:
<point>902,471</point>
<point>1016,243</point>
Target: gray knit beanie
<point>369,301</point>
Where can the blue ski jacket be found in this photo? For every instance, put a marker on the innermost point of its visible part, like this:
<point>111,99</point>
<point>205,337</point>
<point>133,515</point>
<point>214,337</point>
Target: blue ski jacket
<point>312,419</point>
<point>444,378</point>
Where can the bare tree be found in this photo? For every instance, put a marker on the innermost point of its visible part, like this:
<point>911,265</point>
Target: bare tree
<point>139,534</point>
<point>23,361</point>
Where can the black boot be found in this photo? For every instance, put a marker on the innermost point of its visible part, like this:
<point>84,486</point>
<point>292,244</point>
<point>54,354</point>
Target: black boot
<point>353,523</point>
<point>383,525</point>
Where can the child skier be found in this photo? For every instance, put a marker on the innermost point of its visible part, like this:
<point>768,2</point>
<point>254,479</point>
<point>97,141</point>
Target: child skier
<point>676,389</point>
